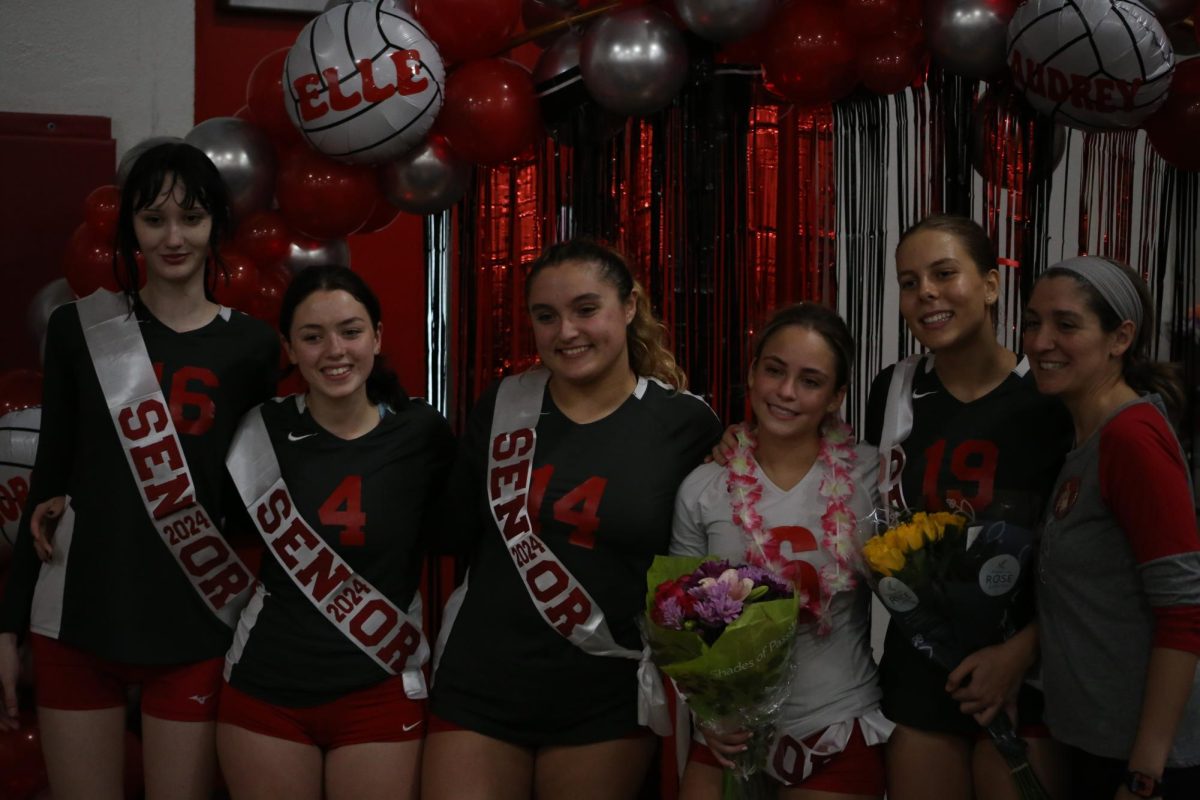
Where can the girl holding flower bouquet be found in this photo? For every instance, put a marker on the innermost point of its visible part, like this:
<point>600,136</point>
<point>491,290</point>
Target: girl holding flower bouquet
<point>1119,592</point>
<point>566,480</point>
<point>788,501</point>
<point>962,427</point>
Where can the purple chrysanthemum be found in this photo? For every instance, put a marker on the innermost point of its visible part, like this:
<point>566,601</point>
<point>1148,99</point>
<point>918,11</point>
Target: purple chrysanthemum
<point>670,614</point>
<point>711,569</point>
<point>718,608</point>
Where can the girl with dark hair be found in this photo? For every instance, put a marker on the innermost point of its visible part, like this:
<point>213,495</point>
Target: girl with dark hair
<point>962,426</point>
<point>565,482</point>
<point>324,692</point>
<point>811,485</point>
<point>1119,596</point>
<point>137,586</point>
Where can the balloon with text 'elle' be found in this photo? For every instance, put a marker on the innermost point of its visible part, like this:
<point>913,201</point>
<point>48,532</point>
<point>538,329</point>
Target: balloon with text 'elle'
<point>364,83</point>
<point>634,61</point>
<point>467,29</point>
<point>323,198</point>
<point>1174,129</point>
<point>243,155</point>
<point>491,114</point>
<point>1090,64</point>
<point>809,56</point>
<point>265,98</point>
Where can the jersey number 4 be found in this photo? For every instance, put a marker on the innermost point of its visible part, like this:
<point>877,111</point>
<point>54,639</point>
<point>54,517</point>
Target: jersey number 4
<point>576,508</point>
<point>343,508</point>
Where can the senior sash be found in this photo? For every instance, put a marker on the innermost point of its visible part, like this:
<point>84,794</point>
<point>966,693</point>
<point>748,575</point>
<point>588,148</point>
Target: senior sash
<point>142,419</point>
<point>897,425</point>
<point>559,598</point>
<point>362,613</point>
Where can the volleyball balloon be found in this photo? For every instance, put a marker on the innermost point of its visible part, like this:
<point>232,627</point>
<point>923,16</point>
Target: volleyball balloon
<point>1091,64</point>
<point>18,448</point>
<point>364,83</point>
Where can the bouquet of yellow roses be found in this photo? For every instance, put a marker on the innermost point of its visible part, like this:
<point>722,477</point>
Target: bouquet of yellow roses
<point>954,585</point>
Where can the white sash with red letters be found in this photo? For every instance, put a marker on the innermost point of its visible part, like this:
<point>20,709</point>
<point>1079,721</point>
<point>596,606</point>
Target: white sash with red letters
<point>152,448</point>
<point>897,425</point>
<point>366,617</point>
<point>556,594</point>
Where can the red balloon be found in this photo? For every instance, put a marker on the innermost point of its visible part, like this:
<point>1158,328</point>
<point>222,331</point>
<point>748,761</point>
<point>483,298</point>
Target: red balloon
<point>868,19</point>
<point>88,262</point>
<point>264,236</point>
<point>1174,129</point>
<point>100,210</point>
<point>384,214</point>
<point>809,57</point>
<point>466,29</point>
<point>238,286</point>
<point>491,114</point>
<point>22,769</point>
<point>20,388</point>
<point>273,283</point>
<point>892,62</point>
<point>322,198</point>
<point>265,98</point>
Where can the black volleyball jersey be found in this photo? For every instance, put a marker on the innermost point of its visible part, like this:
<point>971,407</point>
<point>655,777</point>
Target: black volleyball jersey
<point>369,499</point>
<point>1003,449</point>
<point>601,498</point>
<point>122,596</point>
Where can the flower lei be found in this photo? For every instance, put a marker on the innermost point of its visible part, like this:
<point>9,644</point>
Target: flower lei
<point>837,457</point>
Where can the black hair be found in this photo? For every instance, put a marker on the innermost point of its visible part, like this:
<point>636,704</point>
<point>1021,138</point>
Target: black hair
<point>824,321</point>
<point>645,335</point>
<point>1138,367</point>
<point>182,165</point>
<point>383,386</point>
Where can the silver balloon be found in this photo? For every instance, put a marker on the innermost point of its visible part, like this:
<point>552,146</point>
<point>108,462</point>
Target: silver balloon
<point>968,37</point>
<point>634,61</point>
<point>18,448</point>
<point>402,6</point>
<point>725,20</point>
<point>54,294</point>
<point>311,253</point>
<point>427,179</point>
<point>244,157</point>
<point>135,152</point>
<point>1168,11</point>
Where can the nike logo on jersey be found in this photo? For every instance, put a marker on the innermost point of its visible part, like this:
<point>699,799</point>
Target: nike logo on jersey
<point>407,728</point>
<point>919,395</point>
<point>200,698</point>
<point>294,438</point>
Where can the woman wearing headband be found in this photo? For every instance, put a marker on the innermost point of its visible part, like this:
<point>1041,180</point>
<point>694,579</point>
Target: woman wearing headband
<point>1119,564</point>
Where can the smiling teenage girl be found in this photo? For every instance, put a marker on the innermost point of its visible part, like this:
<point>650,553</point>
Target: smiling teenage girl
<point>324,691</point>
<point>962,425</point>
<point>141,397</point>
<point>1119,595</point>
<point>828,740</point>
<point>566,480</point>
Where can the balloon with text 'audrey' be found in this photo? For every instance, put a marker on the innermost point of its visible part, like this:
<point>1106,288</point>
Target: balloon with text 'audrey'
<point>243,155</point>
<point>322,198</point>
<point>1174,129</point>
<point>809,56</point>
<point>364,83</point>
<point>1091,64</point>
<point>634,61</point>
<point>467,29</point>
<point>491,113</point>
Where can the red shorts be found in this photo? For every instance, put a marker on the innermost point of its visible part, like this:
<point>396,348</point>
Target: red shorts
<point>379,713</point>
<point>441,725</point>
<point>858,769</point>
<point>71,679</point>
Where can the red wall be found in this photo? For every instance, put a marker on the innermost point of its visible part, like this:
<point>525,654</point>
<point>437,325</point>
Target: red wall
<point>228,46</point>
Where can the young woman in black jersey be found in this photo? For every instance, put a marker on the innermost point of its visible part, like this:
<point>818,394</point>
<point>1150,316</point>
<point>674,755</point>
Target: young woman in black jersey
<point>565,485</point>
<point>138,587</point>
<point>962,425</point>
<point>319,701</point>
